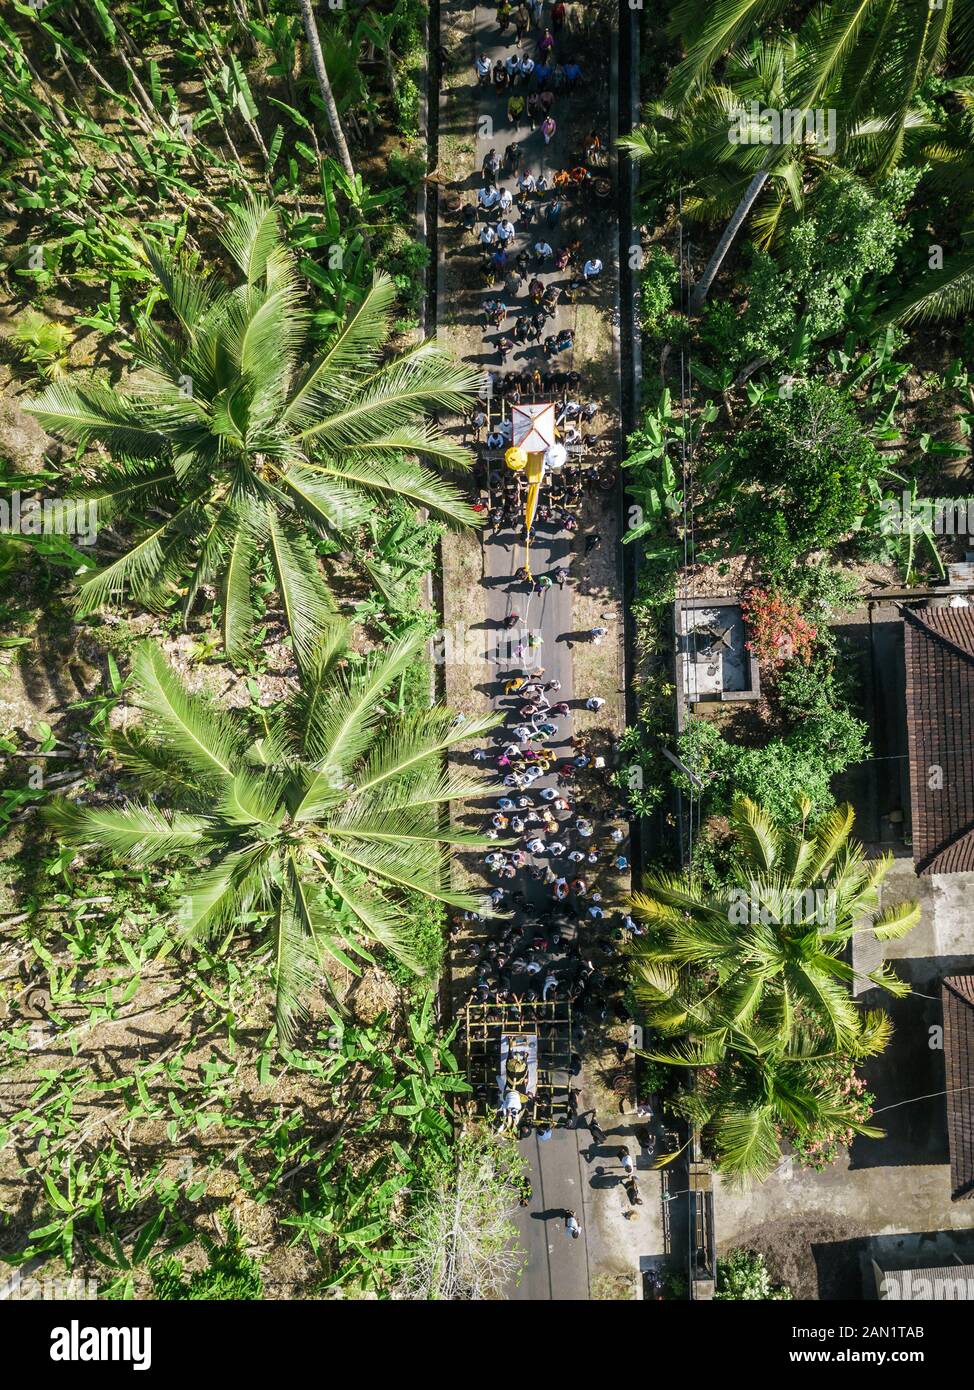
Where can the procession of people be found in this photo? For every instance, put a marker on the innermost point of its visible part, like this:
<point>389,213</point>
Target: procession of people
<point>560,864</point>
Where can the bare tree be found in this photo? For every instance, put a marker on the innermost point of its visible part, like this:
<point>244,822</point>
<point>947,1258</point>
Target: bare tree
<point>324,87</point>
<point>461,1232</point>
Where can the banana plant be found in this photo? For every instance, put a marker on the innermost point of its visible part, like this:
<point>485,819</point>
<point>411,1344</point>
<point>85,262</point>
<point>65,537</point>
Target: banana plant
<point>915,529</point>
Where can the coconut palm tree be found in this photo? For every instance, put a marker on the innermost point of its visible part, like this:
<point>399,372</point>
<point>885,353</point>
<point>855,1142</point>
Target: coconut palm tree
<point>751,1094</point>
<point>323,830</point>
<point>872,47</point>
<point>239,447</point>
<point>764,955</point>
<point>941,294</point>
<point>865,59</point>
<point>711,145</point>
<point>948,292</point>
<point>324,86</point>
<point>751,984</point>
<point>689,143</point>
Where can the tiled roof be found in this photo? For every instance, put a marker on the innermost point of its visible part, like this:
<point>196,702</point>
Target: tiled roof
<point>939,645</point>
<point>958,1000</point>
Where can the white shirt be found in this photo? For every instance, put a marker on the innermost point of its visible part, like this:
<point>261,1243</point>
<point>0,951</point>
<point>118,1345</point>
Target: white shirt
<point>487,235</point>
<point>541,248</point>
<point>487,197</point>
<point>592,267</point>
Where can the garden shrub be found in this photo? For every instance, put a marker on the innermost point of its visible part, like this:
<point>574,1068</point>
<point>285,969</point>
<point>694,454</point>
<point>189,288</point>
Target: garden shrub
<point>658,284</point>
<point>806,292</point>
<point>742,1274</point>
<point>805,466</point>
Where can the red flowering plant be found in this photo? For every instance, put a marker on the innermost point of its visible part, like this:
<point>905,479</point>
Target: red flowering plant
<point>838,1089</point>
<point>777,631</point>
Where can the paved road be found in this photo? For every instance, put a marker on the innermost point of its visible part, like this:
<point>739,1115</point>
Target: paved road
<point>557,1266</point>
<point>561,1174</point>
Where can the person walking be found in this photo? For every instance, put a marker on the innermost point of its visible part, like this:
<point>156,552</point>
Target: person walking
<point>515,110</point>
<point>549,126</point>
<point>592,269</point>
<point>526,185</point>
<point>573,75</point>
<point>483,69</point>
<point>559,13</point>
<point>572,1228</point>
<point>628,1166</point>
<point>597,1132</point>
<point>594,702</point>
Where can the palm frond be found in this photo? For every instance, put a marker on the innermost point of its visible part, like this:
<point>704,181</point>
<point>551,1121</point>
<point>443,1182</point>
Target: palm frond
<point>139,833</point>
<point>203,737</point>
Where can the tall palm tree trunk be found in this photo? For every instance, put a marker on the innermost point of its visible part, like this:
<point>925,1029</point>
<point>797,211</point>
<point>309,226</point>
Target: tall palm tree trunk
<point>324,86</point>
<point>702,288</point>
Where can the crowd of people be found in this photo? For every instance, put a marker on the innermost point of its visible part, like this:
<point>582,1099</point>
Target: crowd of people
<point>517,214</point>
<point>553,930</point>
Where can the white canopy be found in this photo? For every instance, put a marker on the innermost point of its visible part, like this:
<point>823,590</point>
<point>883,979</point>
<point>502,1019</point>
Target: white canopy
<point>533,427</point>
